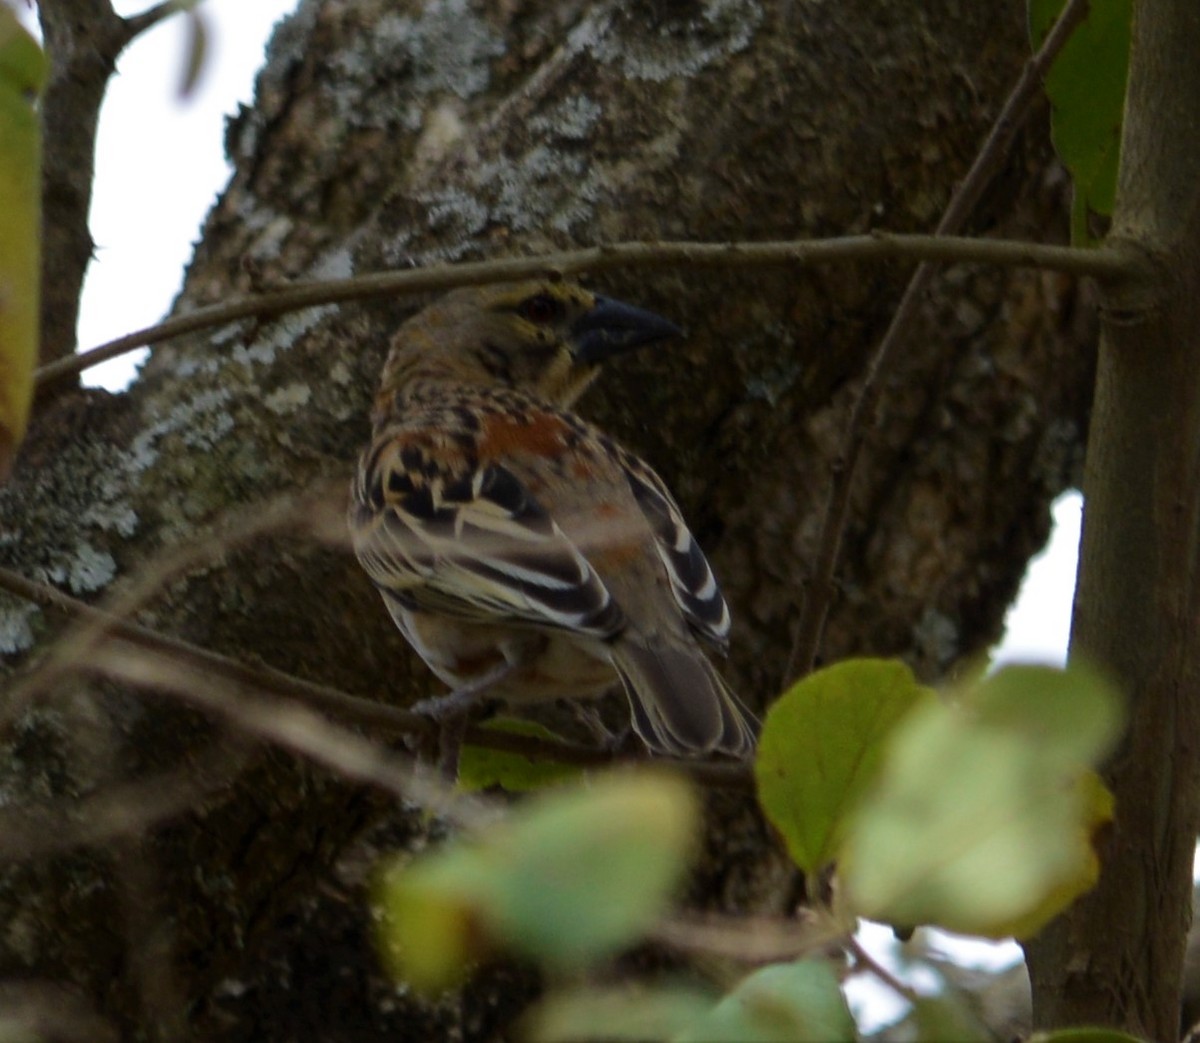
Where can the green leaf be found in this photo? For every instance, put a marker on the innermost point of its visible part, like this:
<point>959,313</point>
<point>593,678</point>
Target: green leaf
<point>983,818</point>
<point>480,768</point>
<point>820,750</point>
<point>631,1013</point>
<point>784,1003</point>
<point>573,875</point>
<point>589,869</point>
<point>1084,1035</point>
<point>946,1019</point>
<point>22,73</point>
<point>1086,88</point>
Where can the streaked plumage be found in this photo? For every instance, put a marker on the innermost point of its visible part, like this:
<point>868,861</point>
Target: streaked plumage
<point>505,533</point>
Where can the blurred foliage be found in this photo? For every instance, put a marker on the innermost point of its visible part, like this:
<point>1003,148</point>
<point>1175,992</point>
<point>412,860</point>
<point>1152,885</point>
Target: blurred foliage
<point>983,818</point>
<point>974,809</point>
<point>572,876</point>
<point>22,74</point>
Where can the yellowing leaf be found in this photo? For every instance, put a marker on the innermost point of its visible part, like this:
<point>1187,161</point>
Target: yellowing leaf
<point>982,819</point>
<point>428,931</point>
<point>22,71</point>
<point>820,750</point>
<point>1098,812</point>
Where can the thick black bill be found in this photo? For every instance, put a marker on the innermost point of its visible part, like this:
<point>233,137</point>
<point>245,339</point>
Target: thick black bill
<point>612,327</point>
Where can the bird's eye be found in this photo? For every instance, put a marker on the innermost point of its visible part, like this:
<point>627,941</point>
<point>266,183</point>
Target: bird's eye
<point>541,309</point>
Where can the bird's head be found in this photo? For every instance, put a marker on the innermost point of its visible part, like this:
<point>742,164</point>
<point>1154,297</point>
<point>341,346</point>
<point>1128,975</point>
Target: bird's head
<point>548,337</point>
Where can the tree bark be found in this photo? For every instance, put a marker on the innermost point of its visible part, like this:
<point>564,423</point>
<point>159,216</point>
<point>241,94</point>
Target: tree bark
<point>1116,957</point>
<point>387,134</point>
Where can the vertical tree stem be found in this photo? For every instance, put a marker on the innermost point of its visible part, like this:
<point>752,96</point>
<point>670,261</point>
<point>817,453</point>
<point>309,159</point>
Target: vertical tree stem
<point>1115,958</point>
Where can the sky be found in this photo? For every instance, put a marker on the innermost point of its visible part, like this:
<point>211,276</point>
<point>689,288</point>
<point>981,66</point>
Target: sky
<point>147,212</point>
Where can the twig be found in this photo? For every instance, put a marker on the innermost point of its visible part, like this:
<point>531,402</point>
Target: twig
<point>137,24</point>
<point>290,727</point>
<point>363,711</point>
<point>760,939</point>
<point>367,712</point>
<point>820,589</point>
<point>288,511</point>
<point>868,963</point>
<point>1100,263</point>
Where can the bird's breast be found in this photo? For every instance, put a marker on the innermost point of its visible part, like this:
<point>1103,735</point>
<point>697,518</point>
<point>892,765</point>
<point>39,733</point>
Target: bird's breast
<point>548,664</point>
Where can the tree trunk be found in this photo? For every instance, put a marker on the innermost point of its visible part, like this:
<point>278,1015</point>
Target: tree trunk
<point>1116,957</point>
<point>386,134</point>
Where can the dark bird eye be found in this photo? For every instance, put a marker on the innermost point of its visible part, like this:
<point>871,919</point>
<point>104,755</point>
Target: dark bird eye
<point>541,308</point>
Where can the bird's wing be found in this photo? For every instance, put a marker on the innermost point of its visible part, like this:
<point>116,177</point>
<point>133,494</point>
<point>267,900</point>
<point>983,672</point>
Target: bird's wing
<point>692,581</point>
<point>472,542</point>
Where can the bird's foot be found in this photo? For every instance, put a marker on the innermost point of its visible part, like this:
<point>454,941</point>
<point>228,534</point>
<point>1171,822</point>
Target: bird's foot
<point>452,713</point>
<point>622,741</point>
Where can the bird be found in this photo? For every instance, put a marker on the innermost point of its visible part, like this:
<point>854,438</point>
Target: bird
<point>524,554</point>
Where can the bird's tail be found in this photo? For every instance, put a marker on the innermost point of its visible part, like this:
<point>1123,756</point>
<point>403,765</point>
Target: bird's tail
<point>680,703</point>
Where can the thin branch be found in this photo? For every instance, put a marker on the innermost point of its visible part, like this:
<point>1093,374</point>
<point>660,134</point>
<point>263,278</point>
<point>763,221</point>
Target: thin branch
<point>370,713</point>
<point>291,727</point>
<point>363,711</point>
<point>137,24</point>
<point>867,962</point>
<point>1012,116</point>
<point>753,939</point>
<point>1101,263</point>
<point>819,594</point>
<point>303,511</point>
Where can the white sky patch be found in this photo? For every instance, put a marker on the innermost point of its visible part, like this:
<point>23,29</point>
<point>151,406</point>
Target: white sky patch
<point>1039,623</point>
<point>159,163</point>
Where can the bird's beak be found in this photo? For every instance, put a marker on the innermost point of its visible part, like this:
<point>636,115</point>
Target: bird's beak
<point>610,327</point>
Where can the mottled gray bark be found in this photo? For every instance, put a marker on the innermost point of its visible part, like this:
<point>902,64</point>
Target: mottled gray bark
<point>389,133</point>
